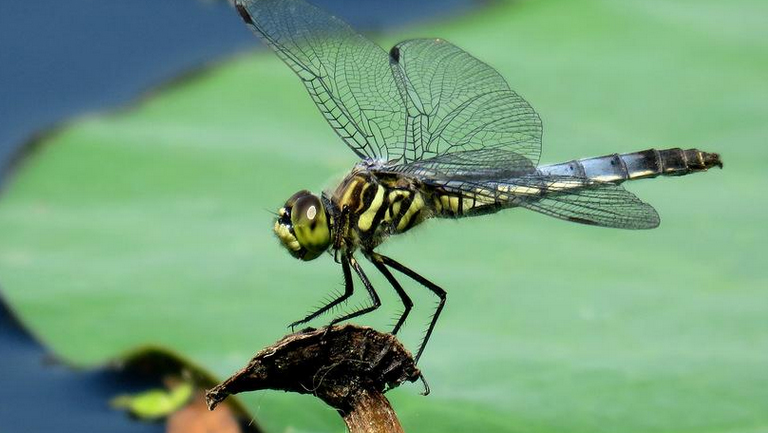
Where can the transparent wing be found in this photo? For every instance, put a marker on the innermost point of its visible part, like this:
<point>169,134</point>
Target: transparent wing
<point>347,75</point>
<point>574,199</point>
<point>457,103</point>
<point>600,204</point>
<point>426,98</point>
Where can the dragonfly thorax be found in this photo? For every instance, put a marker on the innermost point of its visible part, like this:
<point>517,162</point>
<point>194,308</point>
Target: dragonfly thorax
<point>303,226</point>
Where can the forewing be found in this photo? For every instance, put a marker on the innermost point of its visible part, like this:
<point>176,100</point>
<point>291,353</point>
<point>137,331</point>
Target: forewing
<point>574,199</point>
<point>347,75</point>
<point>457,103</point>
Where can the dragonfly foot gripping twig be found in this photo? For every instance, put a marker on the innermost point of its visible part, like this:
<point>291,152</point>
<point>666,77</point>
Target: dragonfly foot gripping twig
<point>349,368</point>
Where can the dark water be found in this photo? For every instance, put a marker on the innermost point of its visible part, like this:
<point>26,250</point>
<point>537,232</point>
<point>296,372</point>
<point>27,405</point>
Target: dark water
<point>37,395</point>
<point>60,59</point>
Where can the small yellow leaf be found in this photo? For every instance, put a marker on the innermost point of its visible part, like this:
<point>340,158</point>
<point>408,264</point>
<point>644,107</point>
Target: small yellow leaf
<point>155,403</point>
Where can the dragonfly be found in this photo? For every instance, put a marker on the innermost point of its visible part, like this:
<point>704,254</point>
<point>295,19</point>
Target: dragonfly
<point>438,134</point>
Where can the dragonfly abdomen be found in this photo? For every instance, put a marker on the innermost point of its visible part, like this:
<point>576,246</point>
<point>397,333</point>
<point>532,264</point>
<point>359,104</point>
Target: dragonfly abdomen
<point>618,168</point>
<point>449,204</point>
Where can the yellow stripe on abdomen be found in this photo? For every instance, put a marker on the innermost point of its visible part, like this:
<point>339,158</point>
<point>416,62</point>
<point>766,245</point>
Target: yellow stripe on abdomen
<point>451,203</point>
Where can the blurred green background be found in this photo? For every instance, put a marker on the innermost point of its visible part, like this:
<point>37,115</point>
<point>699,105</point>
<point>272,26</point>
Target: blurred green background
<point>151,225</point>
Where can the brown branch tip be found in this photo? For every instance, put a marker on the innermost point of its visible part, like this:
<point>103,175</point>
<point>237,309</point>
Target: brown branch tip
<point>346,366</point>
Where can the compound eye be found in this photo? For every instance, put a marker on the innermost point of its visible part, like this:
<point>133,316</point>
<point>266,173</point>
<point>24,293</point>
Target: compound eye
<point>306,211</point>
<point>294,198</point>
<point>310,225</point>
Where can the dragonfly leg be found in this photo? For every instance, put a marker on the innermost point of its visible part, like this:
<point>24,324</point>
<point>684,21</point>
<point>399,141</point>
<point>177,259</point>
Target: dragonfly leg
<point>368,286</point>
<point>377,260</point>
<point>437,290</point>
<point>348,290</point>
<point>339,228</point>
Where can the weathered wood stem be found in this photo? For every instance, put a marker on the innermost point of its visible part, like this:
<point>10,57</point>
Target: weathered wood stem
<point>372,413</point>
<point>348,367</point>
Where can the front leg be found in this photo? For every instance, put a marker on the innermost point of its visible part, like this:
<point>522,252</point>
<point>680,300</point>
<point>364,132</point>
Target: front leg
<point>339,228</point>
<point>376,302</point>
<point>348,290</point>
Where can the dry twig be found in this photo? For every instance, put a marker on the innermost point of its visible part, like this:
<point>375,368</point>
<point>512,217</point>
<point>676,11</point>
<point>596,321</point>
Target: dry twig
<point>348,367</point>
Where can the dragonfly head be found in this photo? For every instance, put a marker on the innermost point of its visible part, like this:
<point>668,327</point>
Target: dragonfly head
<point>302,226</point>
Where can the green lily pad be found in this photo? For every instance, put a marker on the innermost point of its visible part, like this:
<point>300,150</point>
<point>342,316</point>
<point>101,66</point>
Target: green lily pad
<point>150,226</point>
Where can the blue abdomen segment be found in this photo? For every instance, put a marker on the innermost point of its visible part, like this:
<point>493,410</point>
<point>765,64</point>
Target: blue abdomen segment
<point>618,168</point>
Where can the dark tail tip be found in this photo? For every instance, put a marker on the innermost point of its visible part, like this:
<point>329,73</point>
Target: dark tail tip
<point>696,160</point>
<point>711,160</point>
